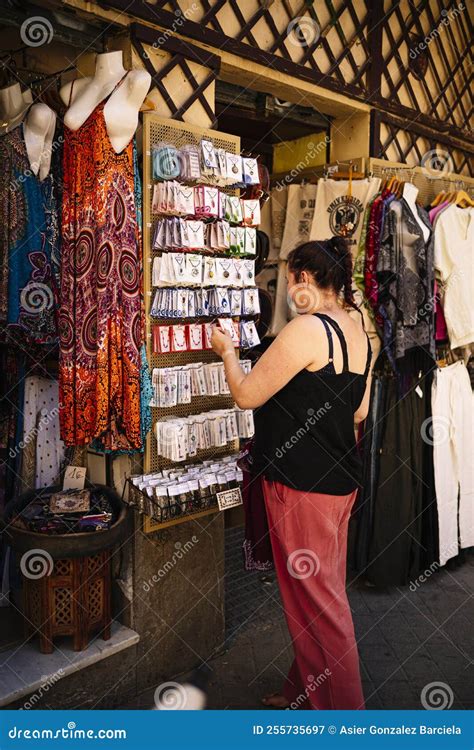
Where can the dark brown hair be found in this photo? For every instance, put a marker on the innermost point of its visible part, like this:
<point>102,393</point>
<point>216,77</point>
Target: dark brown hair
<point>329,262</point>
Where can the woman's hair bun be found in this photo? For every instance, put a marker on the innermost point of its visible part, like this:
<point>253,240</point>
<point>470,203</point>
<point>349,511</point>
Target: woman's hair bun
<point>338,246</point>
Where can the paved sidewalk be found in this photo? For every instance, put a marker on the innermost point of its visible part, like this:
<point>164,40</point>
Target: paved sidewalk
<point>407,639</point>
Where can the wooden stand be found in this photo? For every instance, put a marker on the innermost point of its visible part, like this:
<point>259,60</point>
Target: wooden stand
<point>74,600</point>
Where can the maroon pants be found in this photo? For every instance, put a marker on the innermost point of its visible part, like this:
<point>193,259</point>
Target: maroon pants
<point>308,531</point>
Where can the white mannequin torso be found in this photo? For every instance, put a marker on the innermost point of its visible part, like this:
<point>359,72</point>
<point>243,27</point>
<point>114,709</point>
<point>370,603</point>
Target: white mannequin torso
<point>121,108</point>
<point>38,125</point>
<point>13,107</point>
<point>38,130</point>
<point>410,193</point>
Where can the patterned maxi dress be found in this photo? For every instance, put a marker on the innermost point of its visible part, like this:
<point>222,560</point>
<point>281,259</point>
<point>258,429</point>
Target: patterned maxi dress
<point>101,310</point>
<point>29,249</point>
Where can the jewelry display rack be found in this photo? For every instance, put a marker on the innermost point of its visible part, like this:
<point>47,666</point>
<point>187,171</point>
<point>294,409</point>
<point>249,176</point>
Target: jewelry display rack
<point>158,130</point>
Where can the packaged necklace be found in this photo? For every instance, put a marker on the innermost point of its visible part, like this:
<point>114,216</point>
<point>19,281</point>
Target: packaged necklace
<point>207,329</point>
<point>208,155</point>
<point>250,302</point>
<point>250,171</point>
<point>235,302</point>
<point>248,272</point>
<point>184,385</point>
<point>178,262</point>
<point>224,271</point>
<point>185,200</point>
<point>195,336</point>
<point>178,338</point>
<point>233,209</point>
<point>234,168</point>
<point>194,269</point>
<point>190,162</point>
<point>221,174</point>
<point>223,384</point>
<point>161,339</point>
<point>251,212</point>
<point>209,276</point>
<point>250,242</point>
<point>195,234</point>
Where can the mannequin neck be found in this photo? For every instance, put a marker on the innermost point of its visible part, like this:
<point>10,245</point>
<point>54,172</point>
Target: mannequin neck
<point>109,66</point>
<point>12,103</point>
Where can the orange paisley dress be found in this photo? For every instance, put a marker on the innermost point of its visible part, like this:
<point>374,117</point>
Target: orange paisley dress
<point>101,304</point>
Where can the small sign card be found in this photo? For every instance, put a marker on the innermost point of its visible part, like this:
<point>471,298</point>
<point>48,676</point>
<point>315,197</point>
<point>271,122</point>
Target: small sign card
<point>74,478</point>
<point>229,498</point>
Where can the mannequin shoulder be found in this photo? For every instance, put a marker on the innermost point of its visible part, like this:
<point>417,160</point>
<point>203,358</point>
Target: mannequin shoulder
<point>137,84</point>
<point>40,117</point>
<point>79,85</point>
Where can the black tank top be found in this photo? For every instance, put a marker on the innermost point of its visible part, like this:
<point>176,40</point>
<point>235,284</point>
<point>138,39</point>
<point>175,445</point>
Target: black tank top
<point>304,434</point>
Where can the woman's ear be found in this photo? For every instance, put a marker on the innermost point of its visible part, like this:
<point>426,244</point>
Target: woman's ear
<point>305,278</point>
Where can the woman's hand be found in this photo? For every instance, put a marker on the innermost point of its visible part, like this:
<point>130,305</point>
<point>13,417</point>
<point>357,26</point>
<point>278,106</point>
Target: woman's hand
<point>221,342</point>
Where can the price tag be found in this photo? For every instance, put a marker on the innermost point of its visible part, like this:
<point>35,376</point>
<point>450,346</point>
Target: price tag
<point>418,391</point>
<point>74,478</point>
<point>229,498</point>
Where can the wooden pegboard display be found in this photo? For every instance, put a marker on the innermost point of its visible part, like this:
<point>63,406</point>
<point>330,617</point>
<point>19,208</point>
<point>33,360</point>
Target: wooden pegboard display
<point>156,130</point>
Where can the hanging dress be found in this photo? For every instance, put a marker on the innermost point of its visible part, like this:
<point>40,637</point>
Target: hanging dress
<point>101,310</point>
<point>29,249</point>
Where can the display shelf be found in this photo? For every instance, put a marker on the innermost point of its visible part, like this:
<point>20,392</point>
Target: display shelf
<point>155,130</point>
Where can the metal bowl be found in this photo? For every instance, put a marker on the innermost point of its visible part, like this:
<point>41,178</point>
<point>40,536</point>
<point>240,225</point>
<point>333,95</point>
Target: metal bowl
<point>59,546</point>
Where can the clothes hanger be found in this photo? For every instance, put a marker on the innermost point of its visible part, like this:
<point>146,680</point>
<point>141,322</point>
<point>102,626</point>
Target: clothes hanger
<point>462,199</point>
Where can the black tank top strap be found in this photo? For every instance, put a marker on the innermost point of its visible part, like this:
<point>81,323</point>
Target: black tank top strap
<point>341,337</point>
<point>328,334</point>
<point>369,356</point>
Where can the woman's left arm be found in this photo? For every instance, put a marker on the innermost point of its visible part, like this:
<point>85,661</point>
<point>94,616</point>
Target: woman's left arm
<point>291,351</point>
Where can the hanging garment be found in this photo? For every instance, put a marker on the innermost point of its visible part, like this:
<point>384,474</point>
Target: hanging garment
<point>43,449</point>
<point>29,246</point>
<point>454,262</point>
<point>298,218</point>
<point>452,436</point>
<point>405,281</point>
<point>256,547</point>
<point>369,446</point>
<point>278,201</point>
<point>101,314</point>
<point>337,213</point>
<point>308,532</point>
<point>402,486</point>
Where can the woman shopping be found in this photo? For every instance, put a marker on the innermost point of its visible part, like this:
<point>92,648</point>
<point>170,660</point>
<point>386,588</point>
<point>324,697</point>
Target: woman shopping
<point>309,389</point>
